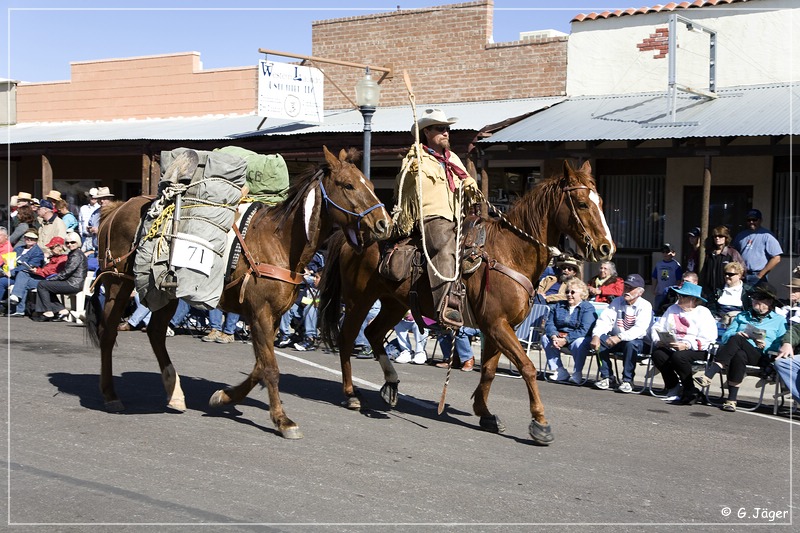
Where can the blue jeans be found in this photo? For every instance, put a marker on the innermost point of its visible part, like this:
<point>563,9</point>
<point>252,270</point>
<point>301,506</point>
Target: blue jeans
<point>578,348</point>
<point>629,350</point>
<point>788,369</point>
<point>463,346</point>
<point>402,330</point>
<point>23,282</point>
<point>215,321</point>
<point>141,315</point>
<point>361,340</point>
<point>307,313</point>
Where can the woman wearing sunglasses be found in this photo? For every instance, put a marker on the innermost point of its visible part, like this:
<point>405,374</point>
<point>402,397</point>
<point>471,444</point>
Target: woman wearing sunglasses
<point>682,335</point>
<point>68,280</point>
<point>719,254</point>
<point>568,324</point>
<point>729,298</point>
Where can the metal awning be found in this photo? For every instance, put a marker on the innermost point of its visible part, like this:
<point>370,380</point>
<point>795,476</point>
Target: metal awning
<point>764,110</point>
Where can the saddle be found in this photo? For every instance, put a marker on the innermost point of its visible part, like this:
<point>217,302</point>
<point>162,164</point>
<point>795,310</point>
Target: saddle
<point>400,257</point>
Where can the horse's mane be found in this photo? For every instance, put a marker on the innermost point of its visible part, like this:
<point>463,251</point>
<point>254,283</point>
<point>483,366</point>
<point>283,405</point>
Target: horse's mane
<point>528,212</point>
<point>302,185</point>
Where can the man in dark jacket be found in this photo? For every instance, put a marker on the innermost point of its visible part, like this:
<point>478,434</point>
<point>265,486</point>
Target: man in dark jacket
<point>67,281</point>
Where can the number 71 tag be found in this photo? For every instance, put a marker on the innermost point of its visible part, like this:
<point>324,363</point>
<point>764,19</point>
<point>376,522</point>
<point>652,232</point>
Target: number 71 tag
<point>190,251</point>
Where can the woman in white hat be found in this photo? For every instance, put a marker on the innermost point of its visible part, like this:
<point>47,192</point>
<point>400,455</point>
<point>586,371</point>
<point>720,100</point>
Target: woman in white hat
<point>439,206</point>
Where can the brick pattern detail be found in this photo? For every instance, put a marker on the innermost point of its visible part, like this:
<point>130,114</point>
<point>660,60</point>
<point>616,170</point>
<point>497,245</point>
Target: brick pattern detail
<point>658,42</point>
<point>141,87</point>
<point>446,52</point>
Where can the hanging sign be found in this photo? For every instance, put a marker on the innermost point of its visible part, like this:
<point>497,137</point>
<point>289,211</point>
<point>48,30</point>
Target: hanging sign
<point>291,92</point>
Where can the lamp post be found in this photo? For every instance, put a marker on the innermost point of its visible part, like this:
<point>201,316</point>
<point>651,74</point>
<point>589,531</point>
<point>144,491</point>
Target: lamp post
<point>368,93</point>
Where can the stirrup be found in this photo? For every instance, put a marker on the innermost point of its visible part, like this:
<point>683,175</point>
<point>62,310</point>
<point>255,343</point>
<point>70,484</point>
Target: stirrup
<point>451,318</point>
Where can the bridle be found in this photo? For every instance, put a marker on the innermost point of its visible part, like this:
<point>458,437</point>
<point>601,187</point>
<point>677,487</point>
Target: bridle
<point>330,202</point>
<point>587,240</point>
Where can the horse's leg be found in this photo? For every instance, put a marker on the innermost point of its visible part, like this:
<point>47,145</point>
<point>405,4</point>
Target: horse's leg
<point>262,331</point>
<point>392,311</point>
<point>157,333</point>
<point>117,296</point>
<point>501,337</point>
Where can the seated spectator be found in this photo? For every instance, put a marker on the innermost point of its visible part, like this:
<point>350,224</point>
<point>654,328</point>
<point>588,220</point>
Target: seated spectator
<point>792,311</point>
<point>26,221</point>
<point>605,286</point>
<point>303,311</point>
<point>221,331</point>
<point>402,330</point>
<point>67,280</point>
<point>29,257</point>
<point>729,300</point>
<point>672,298</point>
<point>552,287</point>
<point>746,342</point>
<point>28,277</point>
<point>787,362</point>
<point>666,274</point>
<point>691,328</point>
<point>621,327</point>
<point>568,324</point>
<point>5,247</point>
<point>463,348</point>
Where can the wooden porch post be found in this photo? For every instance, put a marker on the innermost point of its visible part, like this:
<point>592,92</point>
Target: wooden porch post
<point>47,175</point>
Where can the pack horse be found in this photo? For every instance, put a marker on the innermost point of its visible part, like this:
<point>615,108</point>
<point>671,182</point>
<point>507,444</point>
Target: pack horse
<point>499,291</point>
<point>279,243</point>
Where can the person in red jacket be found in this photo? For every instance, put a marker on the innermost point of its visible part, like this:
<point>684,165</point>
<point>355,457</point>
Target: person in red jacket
<point>605,286</point>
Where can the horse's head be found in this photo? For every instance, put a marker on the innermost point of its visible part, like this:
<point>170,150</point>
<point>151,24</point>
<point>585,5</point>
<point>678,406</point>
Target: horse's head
<point>351,202</point>
<point>580,213</point>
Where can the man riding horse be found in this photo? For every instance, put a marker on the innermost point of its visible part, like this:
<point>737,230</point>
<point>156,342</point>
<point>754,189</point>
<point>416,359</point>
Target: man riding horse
<point>430,190</point>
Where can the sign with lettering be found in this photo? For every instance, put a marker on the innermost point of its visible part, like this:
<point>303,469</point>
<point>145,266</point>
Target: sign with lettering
<point>291,92</point>
<point>191,251</point>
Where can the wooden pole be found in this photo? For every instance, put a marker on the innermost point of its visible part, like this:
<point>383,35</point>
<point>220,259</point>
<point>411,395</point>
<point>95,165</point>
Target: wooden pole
<point>704,215</point>
<point>47,175</point>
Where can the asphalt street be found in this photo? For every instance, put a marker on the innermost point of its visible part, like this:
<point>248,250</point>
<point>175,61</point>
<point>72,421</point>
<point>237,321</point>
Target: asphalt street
<point>620,462</point>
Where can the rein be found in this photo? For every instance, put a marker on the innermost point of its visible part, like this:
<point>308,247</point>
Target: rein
<point>573,211</point>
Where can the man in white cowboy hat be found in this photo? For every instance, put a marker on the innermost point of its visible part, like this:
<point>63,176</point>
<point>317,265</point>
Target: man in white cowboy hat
<point>84,214</point>
<point>103,197</point>
<point>50,225</point>
<point>438,207</point>
<point>54,196</point>
<point>552,287</point>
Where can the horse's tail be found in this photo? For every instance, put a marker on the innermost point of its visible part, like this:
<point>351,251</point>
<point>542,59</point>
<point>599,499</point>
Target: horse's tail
<point>330,293</point>
<point>94,317</point>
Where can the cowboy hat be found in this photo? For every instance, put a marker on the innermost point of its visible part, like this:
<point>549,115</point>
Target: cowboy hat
<point>103,192</point>
<point>568,261</point>
<point>54,195</point>
<point>12,202</point>
<point>763,291</point>
<point>795,281</point>
<point>432,117</point>
<point>24,196</point>
<point>689,289</point>
<point>91,193</point>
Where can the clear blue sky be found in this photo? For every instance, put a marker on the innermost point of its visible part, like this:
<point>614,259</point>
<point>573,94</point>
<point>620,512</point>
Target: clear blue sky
<point>42,37</point>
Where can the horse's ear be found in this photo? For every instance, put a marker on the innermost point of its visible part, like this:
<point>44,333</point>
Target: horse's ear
<point>568,169</point>
<point>342,155</point>
<point>586,167</point>
<point>330,158</point>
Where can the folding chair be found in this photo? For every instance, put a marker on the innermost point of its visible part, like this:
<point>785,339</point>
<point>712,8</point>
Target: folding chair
<point>530,331</point>
<point>750,371</point>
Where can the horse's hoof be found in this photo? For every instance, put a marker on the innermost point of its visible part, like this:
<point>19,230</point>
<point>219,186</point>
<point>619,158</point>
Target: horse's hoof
<point>114,406</point>
<point>292,433</point>
<point>389,393</point>
<point>352,403</point>
<point>178,404</point>
<point>492,424</point>
<point>541,434</point>
<point>218,399</point>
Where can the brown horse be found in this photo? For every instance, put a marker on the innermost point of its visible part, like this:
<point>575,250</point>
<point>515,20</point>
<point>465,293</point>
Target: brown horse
<point>286,236</point>
<point>562,204</point>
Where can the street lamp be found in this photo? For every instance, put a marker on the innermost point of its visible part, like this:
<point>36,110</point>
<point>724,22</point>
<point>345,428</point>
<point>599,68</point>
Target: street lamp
<point>368,93</point>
